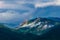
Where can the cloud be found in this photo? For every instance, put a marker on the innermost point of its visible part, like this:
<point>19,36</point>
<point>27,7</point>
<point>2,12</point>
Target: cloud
<point>13,16</point>
<point>48,3</point>
<point>44,4</point>
<point>18,4</point>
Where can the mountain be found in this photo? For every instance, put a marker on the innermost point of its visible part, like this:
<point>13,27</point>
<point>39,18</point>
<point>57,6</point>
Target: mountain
<point>54,18</point>
<point>38,28</point>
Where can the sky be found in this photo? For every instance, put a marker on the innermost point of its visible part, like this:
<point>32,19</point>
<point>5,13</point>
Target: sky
<point>17,11</point>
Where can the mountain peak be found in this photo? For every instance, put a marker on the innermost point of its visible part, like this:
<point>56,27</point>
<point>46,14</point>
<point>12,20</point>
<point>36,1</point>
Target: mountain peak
<point>29,22</point>
<point>35,22</point>
<point>37,25</point>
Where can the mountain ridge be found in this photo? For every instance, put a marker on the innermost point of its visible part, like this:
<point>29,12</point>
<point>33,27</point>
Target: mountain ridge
<point>32,33</point>
<point>36,25</point>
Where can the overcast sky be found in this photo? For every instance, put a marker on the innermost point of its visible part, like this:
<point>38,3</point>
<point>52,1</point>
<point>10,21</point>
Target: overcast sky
<point>17,10</point>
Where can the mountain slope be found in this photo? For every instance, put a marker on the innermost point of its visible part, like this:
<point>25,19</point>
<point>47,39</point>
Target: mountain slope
<point>42,29</point>
<point>37,26</point>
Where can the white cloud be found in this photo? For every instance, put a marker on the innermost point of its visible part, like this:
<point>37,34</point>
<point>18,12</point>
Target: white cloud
<point>53,3</point>
<point>19,4</point>
<point>43,4</point>
<point>57,2</point>
<point>12,16</point>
